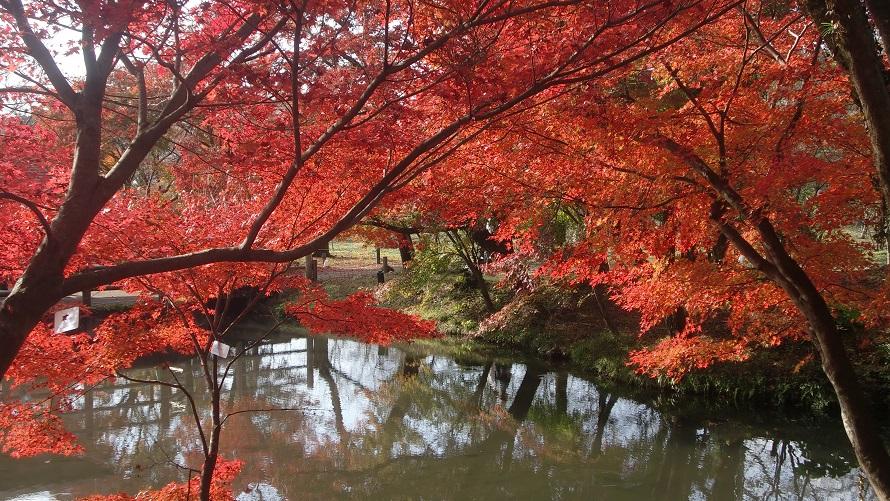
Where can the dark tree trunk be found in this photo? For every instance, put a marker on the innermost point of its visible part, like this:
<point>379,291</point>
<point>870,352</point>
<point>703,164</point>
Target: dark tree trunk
<point>480,386</point>
<point>482,237</point>
<point>780,267</point>
<point>212,455</point>
<point>856,414</point>
<point>880,14</point>
<point>525,394</point>
<point>39,288</point>
<point>605,405</point>
<point>600,295</point>
<point>482,285</point>
<point>855,48</point>
<point>406,249</point>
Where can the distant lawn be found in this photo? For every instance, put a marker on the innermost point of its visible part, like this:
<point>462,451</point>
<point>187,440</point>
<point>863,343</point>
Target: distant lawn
<point>351,253</point>
<point>353,266</point>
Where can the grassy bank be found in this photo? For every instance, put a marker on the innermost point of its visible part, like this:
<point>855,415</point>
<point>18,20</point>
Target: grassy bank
<point>579,328</point>
<point>570,326</point>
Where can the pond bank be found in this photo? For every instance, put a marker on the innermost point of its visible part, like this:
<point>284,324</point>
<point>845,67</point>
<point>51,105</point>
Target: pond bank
<point>584,331</point>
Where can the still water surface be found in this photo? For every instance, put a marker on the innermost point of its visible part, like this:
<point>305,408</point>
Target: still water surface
<point>411,423</point>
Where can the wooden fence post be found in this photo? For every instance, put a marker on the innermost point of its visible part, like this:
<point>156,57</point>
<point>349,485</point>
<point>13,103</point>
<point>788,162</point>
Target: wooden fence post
<point>311,269</point>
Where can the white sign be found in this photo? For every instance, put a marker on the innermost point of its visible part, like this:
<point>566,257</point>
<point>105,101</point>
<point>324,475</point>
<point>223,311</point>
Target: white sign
<point>220,349</point>
<point>67,319</point>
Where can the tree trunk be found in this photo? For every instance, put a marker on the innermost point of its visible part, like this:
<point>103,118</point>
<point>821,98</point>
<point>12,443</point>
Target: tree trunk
<point>856,414</point>
<point>562,393</point>
<point>854,47</point>
<point>880,14</point>
<point>40,286</point>
<point>209,465</point>
<point>27,302</point>
<point>783,270</point>
<point>212,455</point>
<point>483,290</point>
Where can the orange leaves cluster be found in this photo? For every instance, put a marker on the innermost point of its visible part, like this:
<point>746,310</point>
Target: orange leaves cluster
<point>65,365</point>
<point>58,361</point>
<point>220,488</point>
<point>358,316</point>
<point>28,430</point>
<point>676,356</point>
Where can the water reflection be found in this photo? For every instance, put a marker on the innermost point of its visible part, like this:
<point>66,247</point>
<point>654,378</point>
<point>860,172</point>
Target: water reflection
<point>385,423</point>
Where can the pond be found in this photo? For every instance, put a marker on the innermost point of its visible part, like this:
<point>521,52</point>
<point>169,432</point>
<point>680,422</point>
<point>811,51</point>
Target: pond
<point>376,422</point>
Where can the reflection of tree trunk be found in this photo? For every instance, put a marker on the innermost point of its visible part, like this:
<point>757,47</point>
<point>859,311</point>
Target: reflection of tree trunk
<point>165,403</point>
<point>410,366</point>
<point>604,410</point>
<point>674,479</point>
<point>502,374</point>
<point>779,451</point>
<point>500,441</point>
<point>522,403</point>
<point>525,394</point>
<point>320,354</point>
<point>188,379</point>
<point>89,422</point>
<point>310,363</point>
<point>729,477</point>
<point>480,386</point>
<point>562,392</point>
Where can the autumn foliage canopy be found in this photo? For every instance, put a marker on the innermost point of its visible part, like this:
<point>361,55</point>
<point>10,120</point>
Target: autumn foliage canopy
<point>710,153</point>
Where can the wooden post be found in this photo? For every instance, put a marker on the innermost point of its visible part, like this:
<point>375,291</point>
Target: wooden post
<point>310,362</point>
<point>311,269</point>
<point>377,250</point>
<point>381,277</point>
<point>87,298</point>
